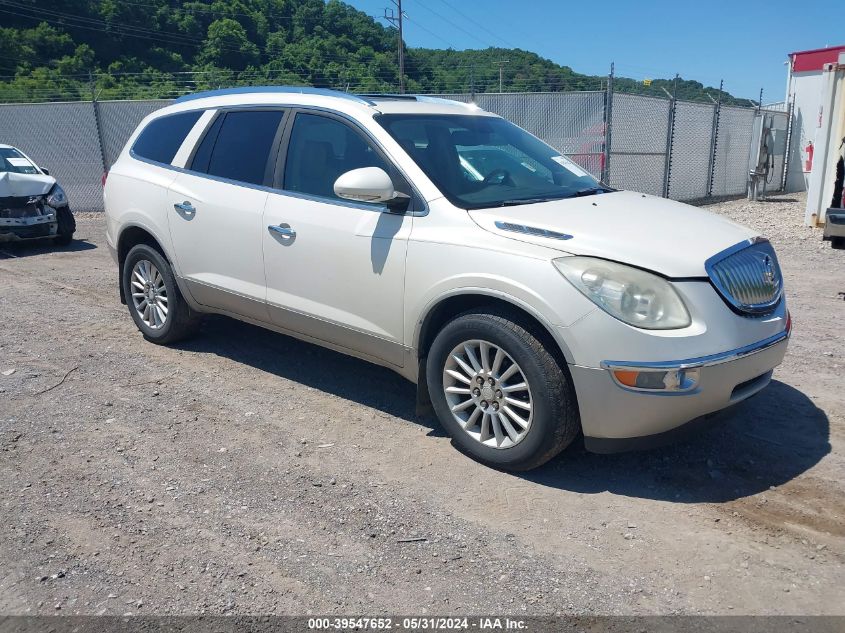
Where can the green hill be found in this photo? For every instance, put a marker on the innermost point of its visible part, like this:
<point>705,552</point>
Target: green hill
<point>123,49</point>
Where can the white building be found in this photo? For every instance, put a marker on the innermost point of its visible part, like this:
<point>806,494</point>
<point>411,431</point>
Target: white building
<point>806,81</point>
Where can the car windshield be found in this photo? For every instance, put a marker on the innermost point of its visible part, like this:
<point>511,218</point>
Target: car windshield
<point>12,160</point>
<point>481,161</point>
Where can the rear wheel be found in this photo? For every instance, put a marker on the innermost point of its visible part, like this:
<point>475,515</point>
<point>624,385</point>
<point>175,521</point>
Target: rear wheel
<point>837,241</point>
<point>66,228</point>
<point>153,298</point>
<point>498,391</point>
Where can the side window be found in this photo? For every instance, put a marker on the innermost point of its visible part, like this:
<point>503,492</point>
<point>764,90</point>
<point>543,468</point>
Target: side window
<point>238,144</point>
<point>162,137</point>
<point>321,149</point>
<point>202,156</point>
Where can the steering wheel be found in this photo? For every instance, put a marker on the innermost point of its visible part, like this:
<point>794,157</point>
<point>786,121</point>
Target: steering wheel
<point>498,177</point>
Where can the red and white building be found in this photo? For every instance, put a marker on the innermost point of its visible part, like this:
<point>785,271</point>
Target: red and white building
<point>807,83</point>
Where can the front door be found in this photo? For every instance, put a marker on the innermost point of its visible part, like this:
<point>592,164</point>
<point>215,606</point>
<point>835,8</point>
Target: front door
<point>215,210</point>
<point>335,269</point>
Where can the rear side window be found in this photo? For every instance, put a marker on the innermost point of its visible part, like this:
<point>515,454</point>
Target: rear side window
<point>238,145</point>
<point>162,138</point>
<point>202,157</point>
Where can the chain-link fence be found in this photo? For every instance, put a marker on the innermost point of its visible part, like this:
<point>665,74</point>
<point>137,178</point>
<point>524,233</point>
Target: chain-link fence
<point>665,147</point>
<point>118,119</point>
<point>639,128</point>
<point>62,138</point>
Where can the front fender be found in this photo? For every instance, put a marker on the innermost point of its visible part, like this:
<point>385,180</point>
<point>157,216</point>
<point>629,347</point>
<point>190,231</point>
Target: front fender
<point>522,298</point>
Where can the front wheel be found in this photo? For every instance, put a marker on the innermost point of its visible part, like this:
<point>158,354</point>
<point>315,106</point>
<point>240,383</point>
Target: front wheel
<point>499,392</point>
<point>153,298</point>
<point>66,226</point>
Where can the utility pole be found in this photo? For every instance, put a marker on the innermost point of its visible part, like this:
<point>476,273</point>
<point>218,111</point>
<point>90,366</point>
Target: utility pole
<point>396,20</point>
<point>501,64</point>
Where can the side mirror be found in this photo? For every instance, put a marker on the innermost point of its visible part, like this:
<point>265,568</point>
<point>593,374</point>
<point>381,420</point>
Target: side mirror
<point>46,172</point>
<point>369,184</point>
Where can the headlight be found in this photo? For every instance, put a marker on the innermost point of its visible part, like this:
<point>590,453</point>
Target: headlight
<point>57,197</point>
<point>631,295</point>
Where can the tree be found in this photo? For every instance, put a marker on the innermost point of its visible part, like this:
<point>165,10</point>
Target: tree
<point>167,47</point>
<point>227,46</point>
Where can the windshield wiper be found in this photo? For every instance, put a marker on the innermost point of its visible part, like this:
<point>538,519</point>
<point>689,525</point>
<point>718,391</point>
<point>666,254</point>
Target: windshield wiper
<point>590,191</point>
<point>517,201</point>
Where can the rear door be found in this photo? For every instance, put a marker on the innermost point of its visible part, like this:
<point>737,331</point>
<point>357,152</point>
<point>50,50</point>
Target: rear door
<point>216,208</point>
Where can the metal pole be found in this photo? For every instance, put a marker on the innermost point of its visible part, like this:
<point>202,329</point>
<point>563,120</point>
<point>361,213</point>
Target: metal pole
<point>714,139</point>
<point>401,52</point>
<point>608,117</point>
<point>501,64</point>
<point>97,122</point>
<point>790,107</point>
<point>670,139</point>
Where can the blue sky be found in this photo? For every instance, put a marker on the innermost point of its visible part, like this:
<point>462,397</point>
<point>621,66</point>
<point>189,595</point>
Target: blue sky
<point>744,42</point>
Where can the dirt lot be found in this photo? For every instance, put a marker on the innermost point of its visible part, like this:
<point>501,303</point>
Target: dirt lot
<point>246,472</point>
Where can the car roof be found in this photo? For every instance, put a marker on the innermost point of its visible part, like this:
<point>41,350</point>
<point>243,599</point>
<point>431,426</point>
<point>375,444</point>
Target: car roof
<point>4,146</point>
<point>320,97</point>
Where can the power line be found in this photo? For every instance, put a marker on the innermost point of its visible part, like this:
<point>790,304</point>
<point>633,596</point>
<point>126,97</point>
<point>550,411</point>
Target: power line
<point>475,21</point>
<point>203,9</point>
<point>457,26</point>
<point>429,31</point>
<point>130,31</point>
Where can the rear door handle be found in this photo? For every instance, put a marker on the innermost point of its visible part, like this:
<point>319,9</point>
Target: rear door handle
<point>186,206</point>
<point>284,230</point>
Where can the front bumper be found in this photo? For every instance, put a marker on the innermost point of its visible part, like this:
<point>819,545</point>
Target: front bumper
<point>28,228</point>
<point>614,417</point>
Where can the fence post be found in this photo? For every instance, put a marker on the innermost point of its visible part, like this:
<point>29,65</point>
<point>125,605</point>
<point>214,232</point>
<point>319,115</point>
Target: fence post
<point>608,117</point>
<point>711,168</point>
<point>790,107</point>
<point>670,139</point>
<point>98,123</point>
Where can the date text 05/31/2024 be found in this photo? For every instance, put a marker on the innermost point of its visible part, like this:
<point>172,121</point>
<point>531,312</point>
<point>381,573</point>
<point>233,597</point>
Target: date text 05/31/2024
<point>417,624</point>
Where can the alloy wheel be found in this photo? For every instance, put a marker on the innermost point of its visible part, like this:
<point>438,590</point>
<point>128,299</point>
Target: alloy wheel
<point>149,294</point>
<point>488,394</point>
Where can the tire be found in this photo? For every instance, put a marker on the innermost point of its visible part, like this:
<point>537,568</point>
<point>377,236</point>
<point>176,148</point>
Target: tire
<point>67,226</point>
<point>837,242</point>
<point>553,421</point>
<point>175,320</point>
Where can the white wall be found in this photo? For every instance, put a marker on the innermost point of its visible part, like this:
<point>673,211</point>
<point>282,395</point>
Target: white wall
<point>806,87</point>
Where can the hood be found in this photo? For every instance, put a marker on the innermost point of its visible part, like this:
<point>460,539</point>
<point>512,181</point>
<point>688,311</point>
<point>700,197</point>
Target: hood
<point>18,185</point>
<point>665,236</point>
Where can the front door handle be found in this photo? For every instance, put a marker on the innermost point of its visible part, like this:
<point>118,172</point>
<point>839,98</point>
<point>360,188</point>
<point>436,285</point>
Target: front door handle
<point>284,230</point>
<point>186,206</point>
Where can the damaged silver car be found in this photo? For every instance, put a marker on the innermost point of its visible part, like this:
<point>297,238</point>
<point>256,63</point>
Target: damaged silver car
<point>32,204</point>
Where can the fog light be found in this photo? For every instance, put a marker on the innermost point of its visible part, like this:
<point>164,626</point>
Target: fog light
<point>658,380</point>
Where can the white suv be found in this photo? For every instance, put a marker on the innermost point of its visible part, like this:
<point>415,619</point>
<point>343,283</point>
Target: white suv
<point>528,301</point>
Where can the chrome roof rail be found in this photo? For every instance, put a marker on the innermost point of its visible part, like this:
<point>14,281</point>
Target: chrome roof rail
<point>306,90</point>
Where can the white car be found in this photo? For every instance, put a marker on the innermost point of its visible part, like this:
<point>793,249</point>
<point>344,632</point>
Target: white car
<point>527,301</point>
<point>32,204</point>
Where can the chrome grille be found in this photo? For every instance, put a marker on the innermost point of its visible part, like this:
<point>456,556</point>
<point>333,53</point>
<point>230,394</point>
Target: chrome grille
<point>747,276</point>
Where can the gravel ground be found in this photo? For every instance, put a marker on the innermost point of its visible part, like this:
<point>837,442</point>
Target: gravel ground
<point>246,472</point>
